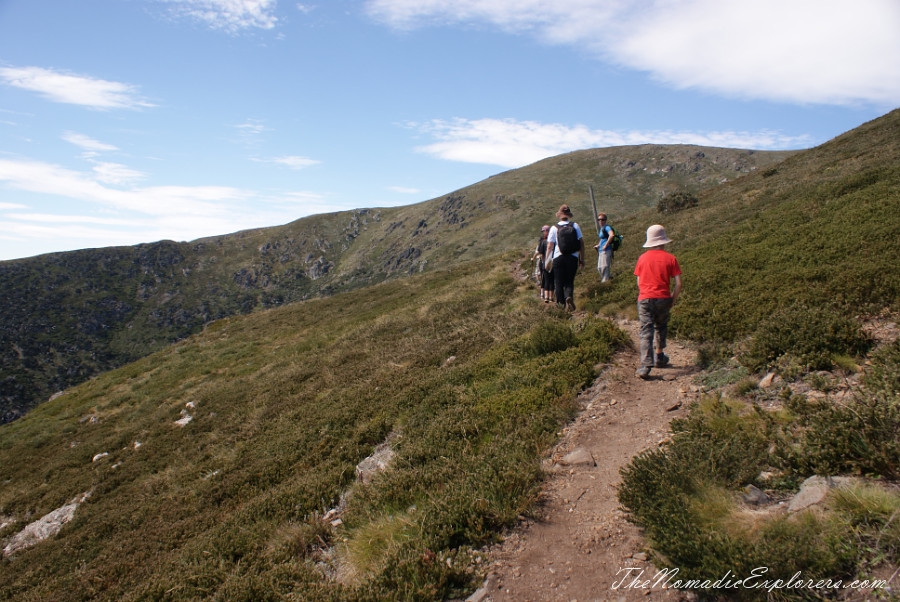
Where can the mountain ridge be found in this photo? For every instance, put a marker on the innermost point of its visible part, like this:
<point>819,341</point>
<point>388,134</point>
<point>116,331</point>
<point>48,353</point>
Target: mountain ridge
<point>72,315</point>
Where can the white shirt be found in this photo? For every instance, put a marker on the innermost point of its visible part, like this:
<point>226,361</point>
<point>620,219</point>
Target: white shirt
<point>552,238</point>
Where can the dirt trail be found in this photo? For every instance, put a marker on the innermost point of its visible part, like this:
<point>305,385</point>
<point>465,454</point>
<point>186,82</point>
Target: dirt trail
<point>579,546</point>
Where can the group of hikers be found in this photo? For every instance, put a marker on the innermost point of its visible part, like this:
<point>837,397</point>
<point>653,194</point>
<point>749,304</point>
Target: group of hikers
<point>560,252</point>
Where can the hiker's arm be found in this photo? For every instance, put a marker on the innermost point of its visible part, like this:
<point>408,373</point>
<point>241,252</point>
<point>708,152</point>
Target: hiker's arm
<point>581,251</point>
<point>677,290</point>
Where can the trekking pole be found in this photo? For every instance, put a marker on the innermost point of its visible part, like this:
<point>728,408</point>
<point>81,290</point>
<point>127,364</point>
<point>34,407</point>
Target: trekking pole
<point>594,207</point>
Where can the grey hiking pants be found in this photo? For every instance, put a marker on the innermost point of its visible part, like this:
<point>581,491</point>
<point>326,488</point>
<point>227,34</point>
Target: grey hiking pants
<point>654,318</point>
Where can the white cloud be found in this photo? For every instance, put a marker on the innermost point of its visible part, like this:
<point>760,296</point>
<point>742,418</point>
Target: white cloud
<point>250,133</point>
<point>105,172</point>
<point>9,206</point>
<point>798,51</point>
<point>250,128</point>
<point>52,218</point>
<point>116,174</point>
<point>86,142</point>
<point>510,143</point>
<point>74,89</point>
<point>295,162</point>
<point>35,176</point>
<point>228,15</point>
<point>404,190</point>
<point>109,216</point>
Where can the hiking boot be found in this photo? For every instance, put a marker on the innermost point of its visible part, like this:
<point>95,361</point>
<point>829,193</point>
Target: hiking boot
<point>643,372</point>
<point>662,360</point>
<point>570,305</point>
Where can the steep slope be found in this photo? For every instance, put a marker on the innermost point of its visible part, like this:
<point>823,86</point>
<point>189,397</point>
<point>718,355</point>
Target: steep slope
<point>68,316</point>
<point>204,470</point>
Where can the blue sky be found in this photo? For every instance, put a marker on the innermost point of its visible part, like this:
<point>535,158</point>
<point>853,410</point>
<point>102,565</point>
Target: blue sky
<point>127,121</point>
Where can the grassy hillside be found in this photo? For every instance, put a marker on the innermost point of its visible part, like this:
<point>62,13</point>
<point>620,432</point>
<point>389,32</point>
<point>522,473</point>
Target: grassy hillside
<point>820,229</point>
<point>460,369</point>
<point>469,381</point>
<point>69,316</point>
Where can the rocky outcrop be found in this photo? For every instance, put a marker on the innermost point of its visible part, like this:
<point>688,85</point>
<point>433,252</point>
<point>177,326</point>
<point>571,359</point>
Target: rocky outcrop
<point>45,527</point>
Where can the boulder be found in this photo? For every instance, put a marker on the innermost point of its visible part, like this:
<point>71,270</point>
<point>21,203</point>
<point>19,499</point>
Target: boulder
<point>578,457</point>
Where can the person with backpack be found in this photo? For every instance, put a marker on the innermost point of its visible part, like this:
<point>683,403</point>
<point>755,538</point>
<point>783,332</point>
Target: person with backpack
<point>544,276</point>
<point>656,270</point>
<point>565,247</point>
<point>605,248</point>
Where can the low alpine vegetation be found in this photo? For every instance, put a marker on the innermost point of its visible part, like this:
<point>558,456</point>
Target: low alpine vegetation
<point>688,494</point>
<point>467,379</point>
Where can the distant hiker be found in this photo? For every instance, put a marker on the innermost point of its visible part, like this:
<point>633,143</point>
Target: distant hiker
<point>605,248</point>
<point>545,277</point>
<point>566,246</point>
<point>655,270</point>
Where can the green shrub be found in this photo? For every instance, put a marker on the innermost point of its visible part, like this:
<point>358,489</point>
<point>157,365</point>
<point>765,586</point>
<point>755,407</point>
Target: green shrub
<point>675,202</point>
<point>857,436</point>
<point>685,494</point>
<point>551,336</point>
<point>710,353</point>
<point>717,444</point>
<point>805,335</point>
<point>885,372</point>
<point>745,386</point>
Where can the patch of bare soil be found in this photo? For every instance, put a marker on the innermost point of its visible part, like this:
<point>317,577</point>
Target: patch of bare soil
<point>580,547</point>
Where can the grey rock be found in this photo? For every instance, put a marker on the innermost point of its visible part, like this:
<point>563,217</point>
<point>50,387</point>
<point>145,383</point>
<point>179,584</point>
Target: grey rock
<point>378,461</point>
<point>45,527</point>
<point>578,457</point>
<point>481,594</point>
<point>754,495</point>
<point>814,489</point>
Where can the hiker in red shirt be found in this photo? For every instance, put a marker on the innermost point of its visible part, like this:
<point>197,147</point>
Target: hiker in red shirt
<point>655,271</point>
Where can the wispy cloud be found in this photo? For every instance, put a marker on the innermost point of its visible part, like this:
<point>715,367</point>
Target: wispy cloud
<point>511,143</point>
<point>50,218</point>
<point>132,214</point>
<point>295,162</point>
<point>116,174</point>
<point>86,142</point>
<point>250,133</point>
<point>228,15</point>
<point>250,128</point>
<point>74,89</point>
<point>404,190</point>
<point>802,51</point>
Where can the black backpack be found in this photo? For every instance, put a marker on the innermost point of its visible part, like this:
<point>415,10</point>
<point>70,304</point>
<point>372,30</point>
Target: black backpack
<point>567,239</point>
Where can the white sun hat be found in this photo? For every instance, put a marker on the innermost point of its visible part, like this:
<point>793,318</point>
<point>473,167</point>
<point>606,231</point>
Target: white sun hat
<point>656,236</point>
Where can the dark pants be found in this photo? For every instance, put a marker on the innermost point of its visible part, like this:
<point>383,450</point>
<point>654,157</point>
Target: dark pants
<point>654,317</point>
<point>564,269</point>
